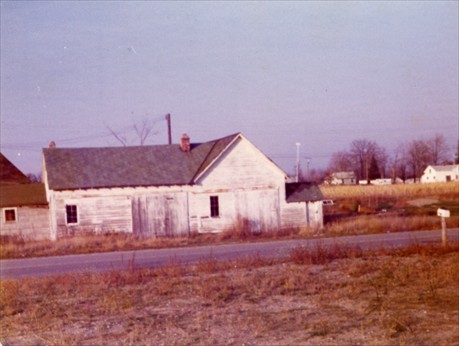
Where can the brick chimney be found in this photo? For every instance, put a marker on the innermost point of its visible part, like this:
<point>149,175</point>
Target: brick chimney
<point>185,143</point>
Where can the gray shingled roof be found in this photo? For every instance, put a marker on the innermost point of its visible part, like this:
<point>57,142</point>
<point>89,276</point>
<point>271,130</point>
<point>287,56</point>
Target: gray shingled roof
<point>303,192</point>
<point>444,168</point>
<point>156,165</point>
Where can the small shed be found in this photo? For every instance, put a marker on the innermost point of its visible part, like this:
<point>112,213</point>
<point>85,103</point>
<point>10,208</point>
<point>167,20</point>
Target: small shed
<point>309,195</point>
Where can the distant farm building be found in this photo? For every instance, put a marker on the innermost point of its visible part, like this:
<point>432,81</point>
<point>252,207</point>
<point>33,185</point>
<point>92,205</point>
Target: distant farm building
<point>174,190</point>
<point>440,174</point>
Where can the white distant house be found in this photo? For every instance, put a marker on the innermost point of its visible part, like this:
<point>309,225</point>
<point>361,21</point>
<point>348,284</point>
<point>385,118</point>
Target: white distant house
<point>440,174</point>
<point>342,178</point>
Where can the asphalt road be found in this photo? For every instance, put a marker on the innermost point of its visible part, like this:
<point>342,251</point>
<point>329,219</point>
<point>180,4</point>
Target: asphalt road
<point>56,265</point>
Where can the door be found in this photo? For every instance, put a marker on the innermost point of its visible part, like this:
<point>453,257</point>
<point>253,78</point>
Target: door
<point>160,215</point>
<point>258,209</point>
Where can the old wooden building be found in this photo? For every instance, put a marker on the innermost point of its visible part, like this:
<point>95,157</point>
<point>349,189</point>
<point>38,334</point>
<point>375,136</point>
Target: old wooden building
<point>174,190</point>
<point>24,208</point>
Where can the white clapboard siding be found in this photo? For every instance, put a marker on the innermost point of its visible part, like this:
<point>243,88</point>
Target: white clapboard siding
<point>315,214</point>
<point>297,215</point>
<point>95,214</point>
<point>259,209</point>
<point>242,166</point>
<point>159,215</point>
<point>200,216</point>
<point>293,215</point>
<point>248,186</point>
<point>31,223</point>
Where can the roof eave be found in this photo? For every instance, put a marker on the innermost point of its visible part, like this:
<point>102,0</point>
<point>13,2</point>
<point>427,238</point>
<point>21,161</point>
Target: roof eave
<point>117,187</point>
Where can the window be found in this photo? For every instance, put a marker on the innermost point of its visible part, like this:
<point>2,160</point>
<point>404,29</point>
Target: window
<point>9,215</point>
<point>214,207</point>
<point>71,214</point>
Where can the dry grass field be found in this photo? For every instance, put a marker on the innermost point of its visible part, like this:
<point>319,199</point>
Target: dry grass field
<point>389,208</point>
<point>321,296</point>
<point>397,191</point>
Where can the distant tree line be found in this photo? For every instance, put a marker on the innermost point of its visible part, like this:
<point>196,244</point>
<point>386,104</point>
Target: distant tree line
<point>368,160</point>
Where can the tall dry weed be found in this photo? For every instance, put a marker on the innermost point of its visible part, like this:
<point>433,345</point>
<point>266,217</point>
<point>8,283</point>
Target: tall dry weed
<point>365,224</point>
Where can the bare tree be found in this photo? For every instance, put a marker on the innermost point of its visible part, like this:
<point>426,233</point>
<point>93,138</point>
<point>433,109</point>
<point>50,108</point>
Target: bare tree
<point>341,161</point>
<point>399,163</point>
<point>316,175</point>
<point>382,159</point>
<point>438,149</point>
<point>363,157</point>
<point>142,131</point>
<point>122,139</point>
<point>362,150</point>
<point>373,170</point>
<point>419,157</point>
<point>34,178</point>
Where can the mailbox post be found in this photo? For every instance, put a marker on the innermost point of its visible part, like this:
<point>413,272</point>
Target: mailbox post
<point>443,213</point>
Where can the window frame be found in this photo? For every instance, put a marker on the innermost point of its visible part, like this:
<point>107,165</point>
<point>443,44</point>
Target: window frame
<point>14,210</point>
<point>214,206</point>
<point>71,213</point>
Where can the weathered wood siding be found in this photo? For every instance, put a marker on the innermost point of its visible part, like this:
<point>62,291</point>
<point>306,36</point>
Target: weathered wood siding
<point>315,217</point>
<point>260,209</point>
<point>97,212</point>
<point>159,215</point>
<point>150,212</point>
<point>302,214</point>
<point>293,215</point>
<point>248,186</point>
<point>32,223</point>
<point>243,166</point>
<point>200,217</point>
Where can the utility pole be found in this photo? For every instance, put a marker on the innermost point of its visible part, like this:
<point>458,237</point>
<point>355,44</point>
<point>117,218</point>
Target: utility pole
<point>297,161</point>
<point>169,128</point>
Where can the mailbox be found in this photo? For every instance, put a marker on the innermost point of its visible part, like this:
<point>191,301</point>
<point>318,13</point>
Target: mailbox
<point>443,212</point>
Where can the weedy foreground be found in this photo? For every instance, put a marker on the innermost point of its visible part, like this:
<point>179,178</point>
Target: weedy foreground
<point>320,296</point>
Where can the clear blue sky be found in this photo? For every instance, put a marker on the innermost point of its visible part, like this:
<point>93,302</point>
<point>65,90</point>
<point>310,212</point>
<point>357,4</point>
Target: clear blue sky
<point>318,73</point>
